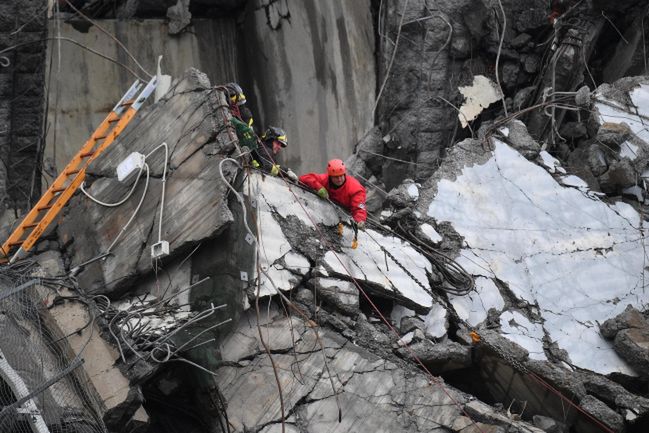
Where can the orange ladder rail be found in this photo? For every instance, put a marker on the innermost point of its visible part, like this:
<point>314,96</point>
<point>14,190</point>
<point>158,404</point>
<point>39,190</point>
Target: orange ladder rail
<point>39,218</point>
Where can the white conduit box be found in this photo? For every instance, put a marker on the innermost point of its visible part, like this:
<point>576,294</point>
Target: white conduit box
<point>159,249</point>
<point>128,168</point>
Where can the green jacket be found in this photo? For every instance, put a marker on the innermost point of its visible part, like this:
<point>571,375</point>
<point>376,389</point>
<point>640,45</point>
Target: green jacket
<point>245,134</point>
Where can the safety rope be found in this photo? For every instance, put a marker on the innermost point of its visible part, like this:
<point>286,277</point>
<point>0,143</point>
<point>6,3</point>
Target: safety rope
<point>468,280</point>
<point>418,361</point>
<point>473,332</point>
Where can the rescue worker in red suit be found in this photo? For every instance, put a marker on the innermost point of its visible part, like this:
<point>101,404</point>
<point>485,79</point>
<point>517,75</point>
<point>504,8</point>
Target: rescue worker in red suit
<point>341,188</point>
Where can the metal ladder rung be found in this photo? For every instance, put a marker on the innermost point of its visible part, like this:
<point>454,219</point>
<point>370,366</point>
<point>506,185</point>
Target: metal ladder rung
<point>69,180</point>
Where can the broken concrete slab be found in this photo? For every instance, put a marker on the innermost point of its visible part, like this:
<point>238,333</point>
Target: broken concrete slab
<point>603,413</point>
<point>286,218</point>
<point>362,383</point>
<point>116,398</point>
<point>187,120</point>
<point>630,331</point>
<point>441,357</point>
<point>462,184</point>
<point>343,295</point>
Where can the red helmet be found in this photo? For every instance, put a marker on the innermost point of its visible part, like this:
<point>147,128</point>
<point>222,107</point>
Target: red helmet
<point>336,167</point>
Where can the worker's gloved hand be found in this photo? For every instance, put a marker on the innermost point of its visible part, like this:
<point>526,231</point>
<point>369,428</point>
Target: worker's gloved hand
<point>360,225</point>
<point>323,193</point>
<point>274,171</point>
<point>291,175</point>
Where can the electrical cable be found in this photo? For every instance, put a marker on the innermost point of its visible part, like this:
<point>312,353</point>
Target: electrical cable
<point>94,23</point>
<point>164,181</point>
<point>118,203</point>
<point>146,186</point>
<point>414,356</point>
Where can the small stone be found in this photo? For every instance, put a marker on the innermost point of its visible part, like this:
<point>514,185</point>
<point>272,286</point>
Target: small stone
<point>573,130</point>
<point>304,296</point>
<point>523,97</point>
<point>582,98</point>
<point>549,425</point>
<point>619,176</point>
<point>530,64</point>
<point>521,40</point>
<point>597,161</point>
<point>510,71</point>
<point>521,140</point>
<point>411,323</point>
<point>613,134</point>
<point>460,47</point>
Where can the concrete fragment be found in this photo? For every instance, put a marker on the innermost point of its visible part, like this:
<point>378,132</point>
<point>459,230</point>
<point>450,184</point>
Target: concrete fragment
<point>411,323</point>
<point>630,331</point>
<point>521,40</point>
<point>397,402</point>
<point>440,357</point>
<point>597,160</point>
<point>613,134</point>
<point>404,195</point>
<point>549,425</point>
<point>531,64</point>
<point>343,295</point>
<point>195,204</point>
<point>602,412</point>
<point>573,130</point>
<point>521,140</point>
<point>620,175</point>
<point>509,75</point>
<point>523,97</point>
<point>179,17</point>
<point>482,93</point>
<point>479,411</point>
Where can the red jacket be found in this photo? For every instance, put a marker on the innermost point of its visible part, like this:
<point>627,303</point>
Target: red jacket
<point>350,194</point>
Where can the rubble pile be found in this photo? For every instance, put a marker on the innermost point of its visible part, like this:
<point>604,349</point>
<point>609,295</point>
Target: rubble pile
<point>499,284</point>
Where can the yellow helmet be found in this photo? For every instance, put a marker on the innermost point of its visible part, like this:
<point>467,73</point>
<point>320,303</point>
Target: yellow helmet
<point>275,133</point>
<point>235,93</point>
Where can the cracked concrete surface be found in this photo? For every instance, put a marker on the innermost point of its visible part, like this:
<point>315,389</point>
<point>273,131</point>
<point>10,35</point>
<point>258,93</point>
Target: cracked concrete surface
<point>372,394</point>
<point>543,241</point>
<point>195,206</point>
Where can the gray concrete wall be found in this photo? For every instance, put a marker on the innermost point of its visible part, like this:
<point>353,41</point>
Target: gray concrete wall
<point>23,25</point>
<point>84,86</point>
<point>314,74</point>
<point>312,71</point>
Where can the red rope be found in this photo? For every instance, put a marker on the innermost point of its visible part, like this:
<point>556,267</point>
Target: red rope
<point>374,307</point>
<point>414,356</point>
<point>570,402</point>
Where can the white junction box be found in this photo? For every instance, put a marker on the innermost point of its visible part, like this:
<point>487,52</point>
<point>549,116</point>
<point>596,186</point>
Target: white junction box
<point>129,167</point>
<point>159,249</point>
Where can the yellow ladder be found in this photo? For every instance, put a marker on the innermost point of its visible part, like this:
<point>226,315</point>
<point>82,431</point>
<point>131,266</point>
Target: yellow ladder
<point>59,193</point>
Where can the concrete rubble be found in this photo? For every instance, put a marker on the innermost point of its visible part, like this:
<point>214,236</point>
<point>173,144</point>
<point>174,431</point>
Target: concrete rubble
<point>333,352</point>
<point>499,285</point>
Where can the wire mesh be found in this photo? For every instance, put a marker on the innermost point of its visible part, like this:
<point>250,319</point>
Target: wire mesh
<point>42,388</point>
